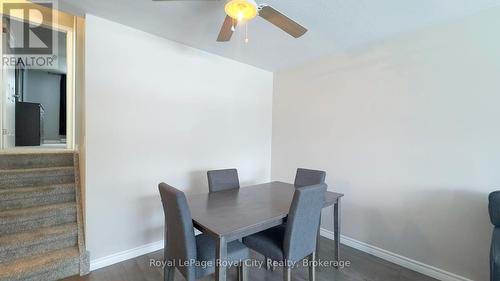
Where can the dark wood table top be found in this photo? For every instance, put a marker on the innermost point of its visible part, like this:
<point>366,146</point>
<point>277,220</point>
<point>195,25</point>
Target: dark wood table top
<point>240,212</point>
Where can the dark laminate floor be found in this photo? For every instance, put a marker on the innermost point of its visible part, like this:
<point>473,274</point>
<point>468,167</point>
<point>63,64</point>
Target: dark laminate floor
<point>363,267</point>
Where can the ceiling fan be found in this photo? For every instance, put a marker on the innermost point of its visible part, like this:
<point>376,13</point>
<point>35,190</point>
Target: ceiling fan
<point>238,11</point>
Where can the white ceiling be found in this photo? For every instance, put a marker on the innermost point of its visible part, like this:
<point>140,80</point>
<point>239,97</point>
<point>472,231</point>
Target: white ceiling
<point>334,25</point>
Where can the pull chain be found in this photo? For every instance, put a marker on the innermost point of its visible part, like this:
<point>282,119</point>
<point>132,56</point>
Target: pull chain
<point>246,32</point>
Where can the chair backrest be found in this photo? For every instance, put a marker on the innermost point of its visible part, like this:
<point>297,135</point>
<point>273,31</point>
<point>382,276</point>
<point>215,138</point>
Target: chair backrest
<point>494,208</point>
<point>303,221</point>
<point>306,177</point>
<point>180,243</point>
<point>220,180</point>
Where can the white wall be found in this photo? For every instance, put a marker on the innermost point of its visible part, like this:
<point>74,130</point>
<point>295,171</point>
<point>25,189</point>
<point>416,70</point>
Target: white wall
<point>409,130</point>
<point>45,88</point>
<point>160,111</point>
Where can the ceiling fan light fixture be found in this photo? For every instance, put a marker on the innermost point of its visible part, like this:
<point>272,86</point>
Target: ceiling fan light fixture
<point>241,10</point>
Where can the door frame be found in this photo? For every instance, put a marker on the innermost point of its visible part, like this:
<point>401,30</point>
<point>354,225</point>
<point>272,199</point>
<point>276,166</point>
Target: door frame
<point>66,23</point>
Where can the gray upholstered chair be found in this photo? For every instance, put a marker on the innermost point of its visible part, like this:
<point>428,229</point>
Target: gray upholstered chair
<point>185,246</point>
<point>297,240</point>
<point>306,177</point>
<point>220,180</point>
<point>494,210</point>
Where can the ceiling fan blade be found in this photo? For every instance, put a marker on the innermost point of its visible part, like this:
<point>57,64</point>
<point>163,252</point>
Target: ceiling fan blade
<point>278,19</point>
<point>226,31</point>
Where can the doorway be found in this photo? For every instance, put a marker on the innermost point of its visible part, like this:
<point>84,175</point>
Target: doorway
<point>37,104</point>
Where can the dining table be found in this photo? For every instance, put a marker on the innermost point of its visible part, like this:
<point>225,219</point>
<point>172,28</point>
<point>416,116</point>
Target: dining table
<point>233,214</point>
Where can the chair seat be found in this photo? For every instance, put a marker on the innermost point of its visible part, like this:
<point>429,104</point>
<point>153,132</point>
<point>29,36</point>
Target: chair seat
<point>205,246</point>
<point>268,242</point>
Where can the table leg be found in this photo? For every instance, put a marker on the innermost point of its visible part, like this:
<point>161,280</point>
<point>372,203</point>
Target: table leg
<point>220,258</point>
<point>318,235</point>
<point>336,229</point>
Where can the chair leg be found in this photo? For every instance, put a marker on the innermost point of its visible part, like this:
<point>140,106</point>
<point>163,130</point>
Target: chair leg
<point>271,264</point>
<point>287,273</point>
<point>169,273</point>
<point>242,272</point>
<point>318,235</point>
<point>312,267</point>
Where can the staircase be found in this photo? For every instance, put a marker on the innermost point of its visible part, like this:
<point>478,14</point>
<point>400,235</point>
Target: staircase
<point>41,232</point>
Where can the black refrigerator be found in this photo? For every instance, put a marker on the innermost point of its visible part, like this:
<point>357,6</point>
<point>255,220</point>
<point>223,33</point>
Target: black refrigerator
<point>29,124</point>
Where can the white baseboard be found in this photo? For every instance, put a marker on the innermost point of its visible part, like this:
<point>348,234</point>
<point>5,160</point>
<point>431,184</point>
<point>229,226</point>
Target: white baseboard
<point>125,255</point>
<point>128,254</point>
<point>414,265</point>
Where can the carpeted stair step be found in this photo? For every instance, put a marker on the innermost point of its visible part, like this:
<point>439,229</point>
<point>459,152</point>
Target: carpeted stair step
<point>39,241</point>
<point>39,233</point>
<point>36,177</point>
<point>38,160</point>
<point>25,197</point>
<point>19,220</point>
<point>49,266</point>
